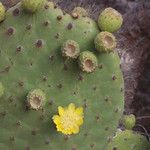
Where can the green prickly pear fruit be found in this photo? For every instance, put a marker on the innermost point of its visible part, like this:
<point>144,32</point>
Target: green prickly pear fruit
<point>1,90</point>
<point>110,20</point>
<point>2,12</point>
<point>87,61</point>
<point>127,140</point>
<point>128,121</point>
<point>36,99</point>
<point>70,49</point>
<point>32,5</point>
<point>80,11</point>
<point>105,42</point>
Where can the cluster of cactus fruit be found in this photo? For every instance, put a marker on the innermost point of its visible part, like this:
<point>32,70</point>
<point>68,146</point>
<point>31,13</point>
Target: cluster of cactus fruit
<point>50,60</point>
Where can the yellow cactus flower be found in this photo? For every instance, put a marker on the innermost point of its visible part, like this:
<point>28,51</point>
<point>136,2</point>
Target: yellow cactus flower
<point>69,119</point>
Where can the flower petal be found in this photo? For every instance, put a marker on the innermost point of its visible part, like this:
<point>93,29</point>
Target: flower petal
<point>56,119</point>
<point>79,111</point>
<point>61,110</point>
<point>80,121</point>
<point>76,130</point>
<point>71,107</point>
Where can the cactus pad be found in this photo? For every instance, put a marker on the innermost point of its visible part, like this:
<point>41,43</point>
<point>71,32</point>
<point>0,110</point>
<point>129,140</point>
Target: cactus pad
<point>32,5</point>
<point>2,12</point>
<point>110,20</point>
<point>128,140</point>
<point>80,11</point>
<point>1,90</point>
<point>31,58</point>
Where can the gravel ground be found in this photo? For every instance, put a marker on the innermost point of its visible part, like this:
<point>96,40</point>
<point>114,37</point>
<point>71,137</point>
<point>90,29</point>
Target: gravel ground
<point>133,48</point>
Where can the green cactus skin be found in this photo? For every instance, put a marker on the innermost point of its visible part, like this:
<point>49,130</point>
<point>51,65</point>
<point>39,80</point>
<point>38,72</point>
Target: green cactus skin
<point>2,12</point>
<point>70,49</point>
<point>87,62</point>
<point>28,64</point>
<point>32,5</point>
<point>105,42</point>
<point>1,90</point>
<point>110,20</point>
<point>36,99</point>
<point>80,11</point>
<point>128,121</point>
<point>128,140</point>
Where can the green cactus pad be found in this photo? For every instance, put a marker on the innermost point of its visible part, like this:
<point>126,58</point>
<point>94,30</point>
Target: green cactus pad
<point>128,121</point>
<point>80,11</point>
<point>32,5</point>
<point>105,42</point>
<point>31,58</point>
<point>1,90</point>
<point>87,62</point>
<point>36,99</point>
<point>70,49</point>
<point>128,140</point>
<point>110,20</point>
<point>2,12</point>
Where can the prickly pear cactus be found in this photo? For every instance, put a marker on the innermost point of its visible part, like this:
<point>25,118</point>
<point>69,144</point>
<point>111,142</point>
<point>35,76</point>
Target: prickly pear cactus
<point>128,140</point>
<point>31,60</point>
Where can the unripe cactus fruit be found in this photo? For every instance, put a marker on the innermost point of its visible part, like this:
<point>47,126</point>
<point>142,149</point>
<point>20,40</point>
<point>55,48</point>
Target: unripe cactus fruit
<point>32,5</point>
<point>87,61</point>
<point>128,121</point>
<point>1,90</point>
<point>127,140</point>
<point>70,49</point>
<point>80,11</point>
<point>110,20</point>
<point>36,99</point>
<point>105,42</point>
<point>2,12</point>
